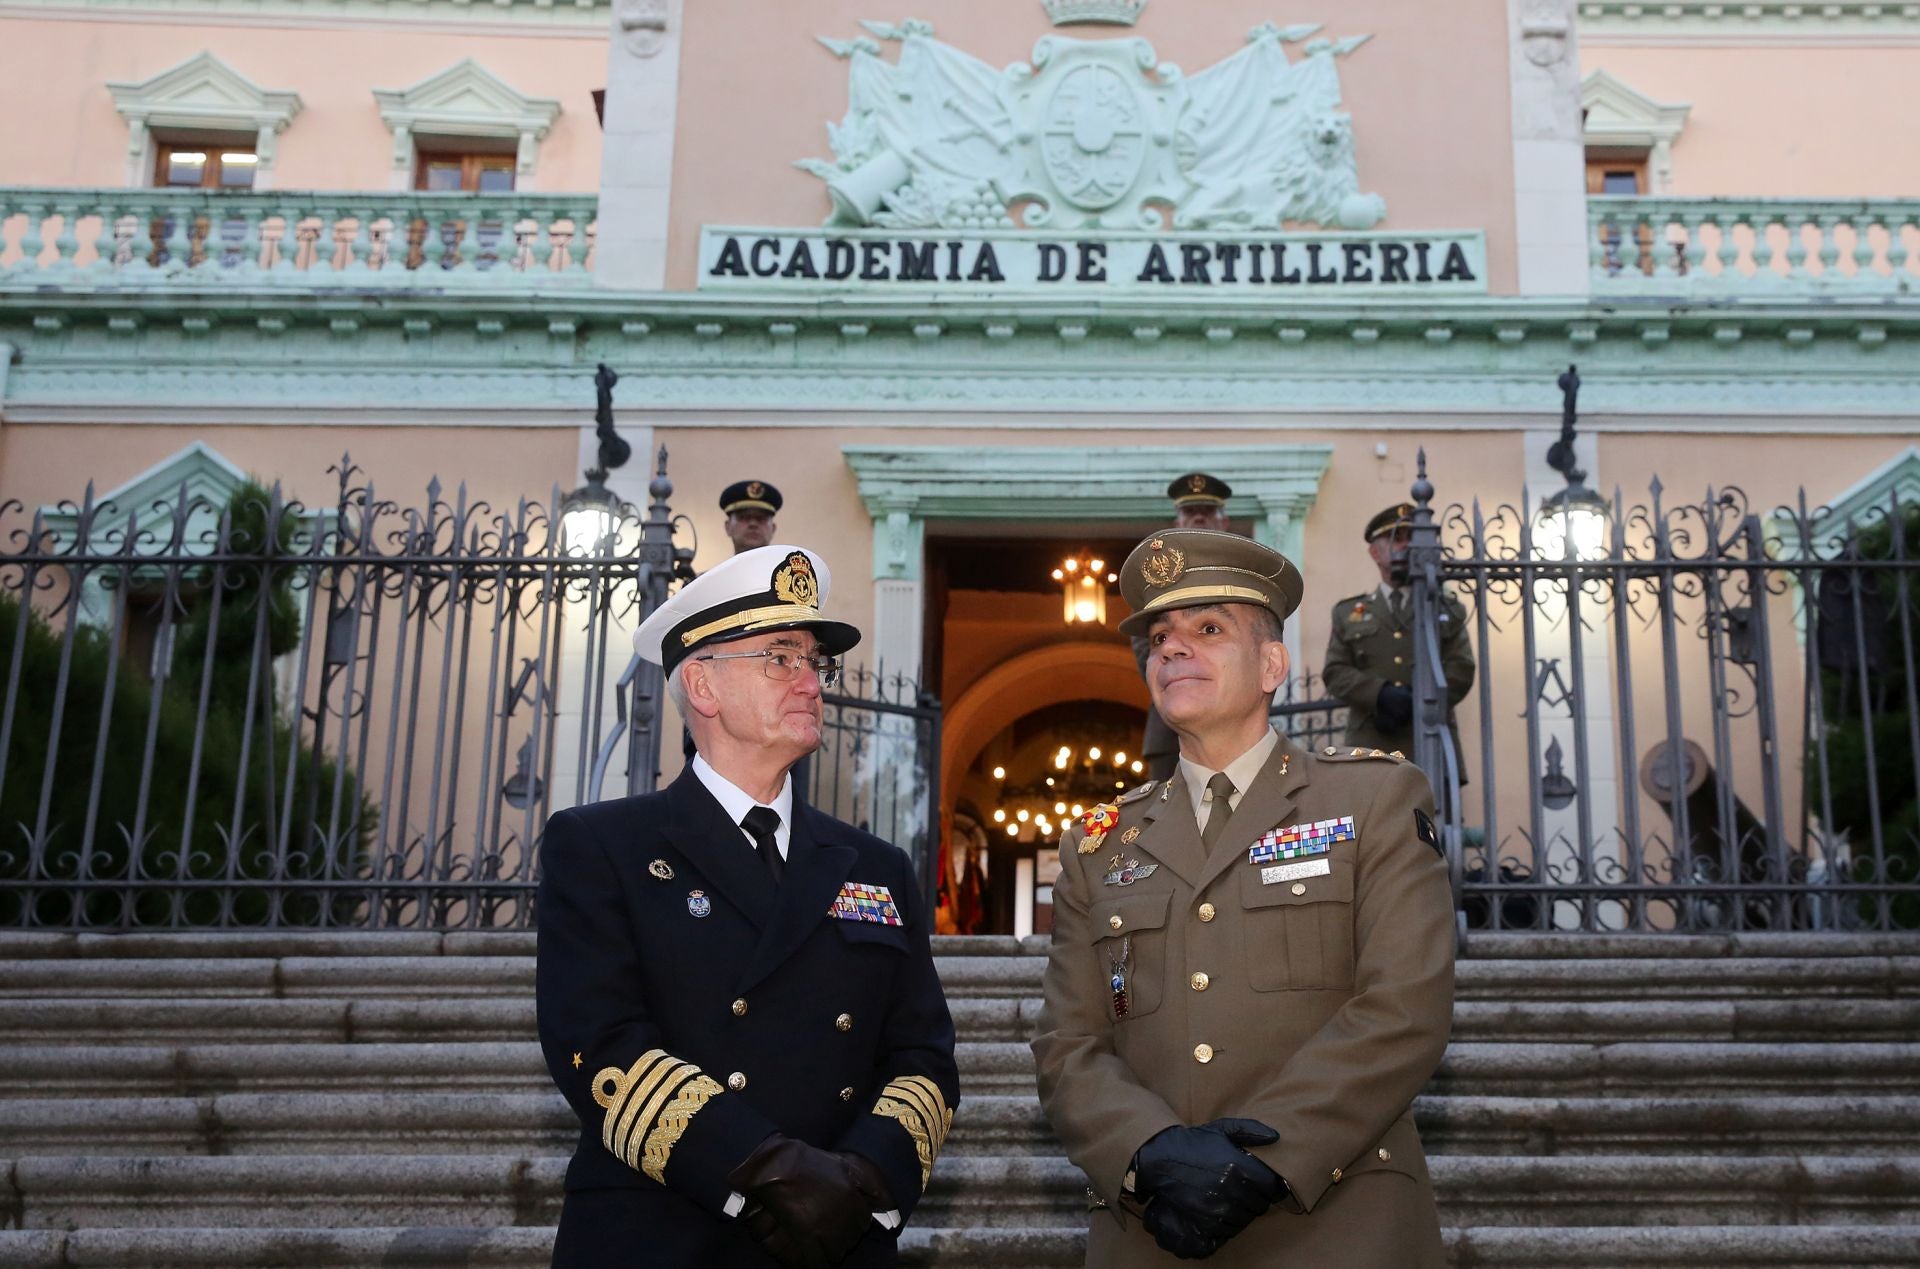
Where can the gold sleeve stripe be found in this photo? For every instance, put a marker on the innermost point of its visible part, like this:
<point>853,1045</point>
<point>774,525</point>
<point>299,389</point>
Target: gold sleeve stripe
<point>649,1106</point>
<point>624,1115</point>
<point>918,1106</point>
<point>673,1121</point>
<point>644,1112</point>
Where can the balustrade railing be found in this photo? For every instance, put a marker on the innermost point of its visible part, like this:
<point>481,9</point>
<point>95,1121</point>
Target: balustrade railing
<point>1754,246</point>
<point>197,237</point>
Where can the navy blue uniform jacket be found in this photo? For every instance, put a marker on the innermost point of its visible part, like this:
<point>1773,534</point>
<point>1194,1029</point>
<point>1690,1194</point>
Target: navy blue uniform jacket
<point>686,1027</point>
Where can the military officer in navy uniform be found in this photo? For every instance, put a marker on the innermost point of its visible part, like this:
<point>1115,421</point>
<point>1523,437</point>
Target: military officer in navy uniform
<point>1251,970</point>
<point>750,506</point>
<point>736,992</point>
<point>1199,502</point>
<point>1369,662</point>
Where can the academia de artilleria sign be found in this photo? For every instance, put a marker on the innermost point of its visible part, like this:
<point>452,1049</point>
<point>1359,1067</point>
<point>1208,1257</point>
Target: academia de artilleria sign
<point>1066,174</point>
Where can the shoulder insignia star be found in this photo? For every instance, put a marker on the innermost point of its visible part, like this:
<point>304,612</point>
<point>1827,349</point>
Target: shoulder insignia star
<point>576,1061</point>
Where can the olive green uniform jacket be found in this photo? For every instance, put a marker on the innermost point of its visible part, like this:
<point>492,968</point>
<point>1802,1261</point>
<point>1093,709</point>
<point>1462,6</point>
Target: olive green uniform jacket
<point>1369,648</point>
<point>1324,1007</point>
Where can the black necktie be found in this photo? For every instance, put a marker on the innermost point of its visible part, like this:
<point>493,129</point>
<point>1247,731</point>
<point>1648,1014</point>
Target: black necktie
<point>760,824</point>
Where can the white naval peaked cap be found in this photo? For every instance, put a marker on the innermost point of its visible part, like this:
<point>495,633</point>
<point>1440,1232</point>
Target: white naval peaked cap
<point>765,589</point>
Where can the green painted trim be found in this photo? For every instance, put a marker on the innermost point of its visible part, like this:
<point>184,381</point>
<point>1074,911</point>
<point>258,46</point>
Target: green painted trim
<point>904,486</point>
<point>585,15</point>
<point>482,350</point>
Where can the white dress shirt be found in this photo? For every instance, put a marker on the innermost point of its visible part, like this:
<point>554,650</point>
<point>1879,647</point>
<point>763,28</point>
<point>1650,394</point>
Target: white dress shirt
<point>737,803</point>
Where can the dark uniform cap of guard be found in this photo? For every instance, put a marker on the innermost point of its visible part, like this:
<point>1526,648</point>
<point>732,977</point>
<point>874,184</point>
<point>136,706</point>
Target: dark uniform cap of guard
<point>1185,568</point>
<point>1398,516</point>
<point>750,495</point>
<point>1197,489</point>
<point>755,592</point>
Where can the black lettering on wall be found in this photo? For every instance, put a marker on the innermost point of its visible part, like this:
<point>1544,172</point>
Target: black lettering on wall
<point>731,263</point>
<point>1420,273</point>
<point>839,259</point>
<point>986,266</point>
<point>1393,262</point>
<point>1053,262</point>
<point>1155,269</point>
<point>1193,263</point>
<point>1358,263</point>
<point>1093,262</point>
<point>1455,269</point>
<point>1280,271</point>
<point>873,262</point>
<point>1314,272</point>
<point>918,262</point>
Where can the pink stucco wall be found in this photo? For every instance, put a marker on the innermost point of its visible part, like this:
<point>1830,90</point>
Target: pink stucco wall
<point>54,73</point>
<point>1782,122</point>
<point>1428,95</point>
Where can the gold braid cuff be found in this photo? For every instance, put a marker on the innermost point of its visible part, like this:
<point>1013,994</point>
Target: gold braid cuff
<point>917,1104</point>
<point>649,1106</point>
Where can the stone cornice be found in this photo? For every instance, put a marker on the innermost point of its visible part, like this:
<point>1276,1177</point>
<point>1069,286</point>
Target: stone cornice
<point>574,17</point>
<point>1604,22</point>
<point>415,356</point>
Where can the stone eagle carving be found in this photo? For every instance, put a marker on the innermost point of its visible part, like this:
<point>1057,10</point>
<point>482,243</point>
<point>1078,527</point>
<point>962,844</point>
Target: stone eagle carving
<point>1093,134</point>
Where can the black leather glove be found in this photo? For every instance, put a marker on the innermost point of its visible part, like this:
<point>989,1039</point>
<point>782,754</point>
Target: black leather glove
<point>1394,707</point>
<point>806,1207</point>
<point>1177,1234</point>
<point>1216,1187</point>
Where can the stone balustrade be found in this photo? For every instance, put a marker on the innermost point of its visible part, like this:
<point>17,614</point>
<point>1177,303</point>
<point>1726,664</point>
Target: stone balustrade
<point>1767,248</point>
<point>160,237</point>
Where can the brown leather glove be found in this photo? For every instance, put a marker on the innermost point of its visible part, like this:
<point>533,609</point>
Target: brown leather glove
<point>806,1207</point>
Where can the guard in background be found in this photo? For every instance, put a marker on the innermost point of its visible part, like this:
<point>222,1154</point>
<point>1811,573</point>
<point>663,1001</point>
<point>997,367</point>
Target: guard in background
<point>1251,973</point>
<point>750,506</point>
<point>736,993</point>
<point>1369,662</point>
<point>1199,502</point>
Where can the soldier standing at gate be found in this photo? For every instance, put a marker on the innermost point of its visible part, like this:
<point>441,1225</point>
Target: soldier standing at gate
<point>1199,502</point>
<point>750,506</point>
<point>1369,662</point>
<point>736,993</point>
<point>1251,972</point>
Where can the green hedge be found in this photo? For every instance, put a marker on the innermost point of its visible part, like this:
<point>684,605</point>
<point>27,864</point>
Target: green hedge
<point>220,793</point>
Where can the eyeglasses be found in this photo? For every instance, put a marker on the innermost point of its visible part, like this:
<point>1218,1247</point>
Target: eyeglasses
<point>782,664</point>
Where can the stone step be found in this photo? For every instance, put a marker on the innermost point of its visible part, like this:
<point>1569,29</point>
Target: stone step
<point>1558,946</point>
<point>1634,1069</point>
<point>444,976</point>
<point>1735,1247</point>
<point>388,1124</point>
<point>484,1190</point>
<point>239,1020</point>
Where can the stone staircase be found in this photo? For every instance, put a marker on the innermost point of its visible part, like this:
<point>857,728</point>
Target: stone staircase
<point>362,1099</point>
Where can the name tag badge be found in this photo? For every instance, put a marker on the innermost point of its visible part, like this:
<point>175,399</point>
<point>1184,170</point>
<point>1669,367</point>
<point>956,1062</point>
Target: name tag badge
<point>1294,872</point>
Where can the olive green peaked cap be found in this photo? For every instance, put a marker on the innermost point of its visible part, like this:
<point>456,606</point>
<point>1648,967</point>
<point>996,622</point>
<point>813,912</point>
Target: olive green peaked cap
<point>1185,568</point>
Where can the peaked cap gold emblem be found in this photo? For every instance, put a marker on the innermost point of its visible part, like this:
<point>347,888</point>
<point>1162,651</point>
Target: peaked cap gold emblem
<point>1164,566</point>
<point>755,489</point>
<point>794,581</point>
<point>1197,483</point>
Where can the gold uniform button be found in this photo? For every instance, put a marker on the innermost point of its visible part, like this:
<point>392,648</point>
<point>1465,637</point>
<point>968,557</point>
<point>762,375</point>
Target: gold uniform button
<point>846,1094</point>
<point>1399,634</point>
<point>1399,661</point>
<point>739,1008</point>
<point>1299,887</point>
<point>844,1022</point>
<point>1114,920</point>
<point>1206,912</point>
<point>1200,982</point>
<point>1203,1053</point>
<point>736,1081</point>
<point>1336,1176</point>
<point>1386,1155</point>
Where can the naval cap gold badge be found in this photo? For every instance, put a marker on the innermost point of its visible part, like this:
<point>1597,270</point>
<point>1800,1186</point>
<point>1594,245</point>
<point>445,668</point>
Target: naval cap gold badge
<point>795,583</point>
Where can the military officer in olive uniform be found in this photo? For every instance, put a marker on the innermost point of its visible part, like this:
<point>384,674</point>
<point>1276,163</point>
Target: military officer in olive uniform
<point>1369,662</point>
<point>735,991</point>
<point>750,506</point>
<point>1251,972</point>
<point>1199,502</point>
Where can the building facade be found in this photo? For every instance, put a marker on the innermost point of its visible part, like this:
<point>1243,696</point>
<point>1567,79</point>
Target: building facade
<point>971,285</point>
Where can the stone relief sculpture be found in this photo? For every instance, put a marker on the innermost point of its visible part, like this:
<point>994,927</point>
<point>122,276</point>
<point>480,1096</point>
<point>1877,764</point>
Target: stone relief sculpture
<point>1092,133</point>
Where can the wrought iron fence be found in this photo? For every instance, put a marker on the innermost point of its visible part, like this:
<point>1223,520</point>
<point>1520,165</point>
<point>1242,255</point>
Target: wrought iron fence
<point>878,765</point>
<point>1690,715</point>
<point>1307,713</point>
<point>241,711</point>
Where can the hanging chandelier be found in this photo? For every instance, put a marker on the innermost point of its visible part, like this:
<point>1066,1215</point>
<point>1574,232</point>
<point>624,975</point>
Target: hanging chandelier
<point>1083,582</point>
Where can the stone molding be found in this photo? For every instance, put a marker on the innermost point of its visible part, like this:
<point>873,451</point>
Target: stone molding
<point>578,16</point>
<point>1630,22</point>
<point>466,100</point>
<point>202,94</point>
<point>1620,117</point>
<point>1475,364</point>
